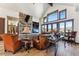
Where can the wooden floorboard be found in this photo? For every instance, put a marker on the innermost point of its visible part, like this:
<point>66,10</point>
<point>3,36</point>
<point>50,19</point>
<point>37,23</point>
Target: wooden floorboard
<point>63,49</point>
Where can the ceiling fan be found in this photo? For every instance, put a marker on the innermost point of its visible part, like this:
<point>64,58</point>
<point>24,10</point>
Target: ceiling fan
<point>51,4</point>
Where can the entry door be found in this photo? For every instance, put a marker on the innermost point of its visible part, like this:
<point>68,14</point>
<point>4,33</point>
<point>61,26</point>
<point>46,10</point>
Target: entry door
<point>2,25</point>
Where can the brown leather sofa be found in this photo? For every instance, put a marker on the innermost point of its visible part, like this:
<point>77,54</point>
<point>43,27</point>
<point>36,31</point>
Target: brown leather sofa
<point>40,42</point>
<point>11,42</point>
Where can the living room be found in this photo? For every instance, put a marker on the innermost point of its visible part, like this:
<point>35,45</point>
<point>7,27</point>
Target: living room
<point>39,29</point>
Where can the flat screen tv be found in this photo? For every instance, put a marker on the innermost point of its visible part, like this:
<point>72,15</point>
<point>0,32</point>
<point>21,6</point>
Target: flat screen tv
<point>27,18</point>
<point>35,28</point>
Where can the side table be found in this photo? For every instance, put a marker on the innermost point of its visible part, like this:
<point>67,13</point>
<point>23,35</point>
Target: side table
<point>26,44</point>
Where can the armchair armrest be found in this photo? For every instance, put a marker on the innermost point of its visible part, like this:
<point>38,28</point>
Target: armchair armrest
<point>18,44</point>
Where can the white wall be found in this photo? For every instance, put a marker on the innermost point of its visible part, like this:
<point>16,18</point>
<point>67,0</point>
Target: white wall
<point>6,12</point>
<point>35,19</point>
<point>71,14</point>
<point>76,26</point>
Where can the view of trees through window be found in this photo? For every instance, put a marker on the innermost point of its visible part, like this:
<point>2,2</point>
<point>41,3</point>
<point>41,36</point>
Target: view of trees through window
<point>54,27</point>
<point>61,26</point>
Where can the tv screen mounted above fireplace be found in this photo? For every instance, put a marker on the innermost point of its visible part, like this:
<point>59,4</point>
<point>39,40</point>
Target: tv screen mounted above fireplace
<point>35,28</point>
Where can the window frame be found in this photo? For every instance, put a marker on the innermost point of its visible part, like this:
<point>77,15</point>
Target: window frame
<point>56,26</point>
<point>56,11</point>
<point>64,22</point>
<point>44,27</point>
<point>65,14</point>
<point>44,19</point>
<point>72,20</point>
<point>57,23</point>
<point>47,27</point>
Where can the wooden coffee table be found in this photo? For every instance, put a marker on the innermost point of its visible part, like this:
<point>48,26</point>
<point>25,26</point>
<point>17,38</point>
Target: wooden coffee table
<point>26,44</point>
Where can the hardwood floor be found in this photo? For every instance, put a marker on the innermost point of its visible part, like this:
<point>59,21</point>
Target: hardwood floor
<point>67,49</point>
<point>63,49</point>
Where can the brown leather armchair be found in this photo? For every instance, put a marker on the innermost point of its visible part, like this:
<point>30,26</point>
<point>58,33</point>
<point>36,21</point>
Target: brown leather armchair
<point>11,42</point>
<point>40,42</point>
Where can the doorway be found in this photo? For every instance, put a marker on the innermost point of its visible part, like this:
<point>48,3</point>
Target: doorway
<point>2,25</point>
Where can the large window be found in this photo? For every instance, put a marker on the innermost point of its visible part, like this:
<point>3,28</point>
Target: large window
<point>66,26</point>
<point>54,26</point>
<point>44,28</point>
<point>53,16</point>
<point>61,27</point>
<point>62,14</point>
<point>49,27</point>
<point>69,25</point>
<point>57,24</point>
